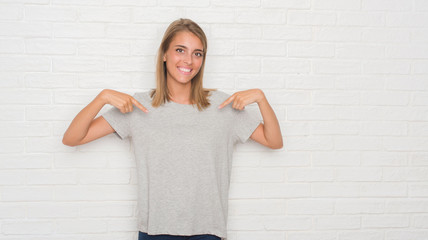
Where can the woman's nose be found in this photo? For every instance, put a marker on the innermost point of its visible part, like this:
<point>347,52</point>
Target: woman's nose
<point>188,59</point>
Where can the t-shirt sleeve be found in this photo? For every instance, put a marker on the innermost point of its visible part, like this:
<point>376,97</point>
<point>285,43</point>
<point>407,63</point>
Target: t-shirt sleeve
<point>245,122</point>
<point>119,121</point>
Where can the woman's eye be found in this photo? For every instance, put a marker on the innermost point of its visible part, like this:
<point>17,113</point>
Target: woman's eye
<point>179,50</point>
<point>198,54</point>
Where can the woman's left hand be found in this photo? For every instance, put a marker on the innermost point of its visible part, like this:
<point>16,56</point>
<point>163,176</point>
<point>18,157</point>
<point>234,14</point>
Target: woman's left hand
<point>243,98</point>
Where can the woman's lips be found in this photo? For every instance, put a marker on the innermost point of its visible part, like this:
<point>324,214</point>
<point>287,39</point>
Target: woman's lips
<point>185,71</point>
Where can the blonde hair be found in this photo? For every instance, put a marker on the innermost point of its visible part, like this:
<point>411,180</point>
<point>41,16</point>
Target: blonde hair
<point>198,95</point>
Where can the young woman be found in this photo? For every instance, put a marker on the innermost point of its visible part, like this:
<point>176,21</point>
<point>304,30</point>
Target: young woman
<point>183,137</point>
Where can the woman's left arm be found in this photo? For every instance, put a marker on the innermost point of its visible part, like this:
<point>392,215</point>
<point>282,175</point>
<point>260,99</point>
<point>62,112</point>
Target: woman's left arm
<point>269,133</point>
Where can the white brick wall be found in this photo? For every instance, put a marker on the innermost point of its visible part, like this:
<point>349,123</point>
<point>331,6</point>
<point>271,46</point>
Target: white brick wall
<point>348,80</point>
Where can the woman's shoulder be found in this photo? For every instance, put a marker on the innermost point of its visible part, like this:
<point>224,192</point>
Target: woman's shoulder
<point>220,94</point>
<point>142,96</point>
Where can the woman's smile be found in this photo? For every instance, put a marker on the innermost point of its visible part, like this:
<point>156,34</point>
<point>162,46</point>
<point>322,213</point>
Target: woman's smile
<point>185,71</point>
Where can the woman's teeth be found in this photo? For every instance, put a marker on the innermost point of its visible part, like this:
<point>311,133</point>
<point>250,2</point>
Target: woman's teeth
<point>185,69</point>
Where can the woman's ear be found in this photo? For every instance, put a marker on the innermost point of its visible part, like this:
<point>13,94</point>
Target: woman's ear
<point>164,58</point>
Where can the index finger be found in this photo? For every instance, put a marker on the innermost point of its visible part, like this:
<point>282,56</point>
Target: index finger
<point>139,105</point>
<point>227,101</point>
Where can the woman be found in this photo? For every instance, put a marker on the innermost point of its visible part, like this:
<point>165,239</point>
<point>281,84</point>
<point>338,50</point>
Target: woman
<point>183,139</point>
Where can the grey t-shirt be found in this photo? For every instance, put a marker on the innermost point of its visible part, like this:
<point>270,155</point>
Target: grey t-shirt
<point>184,162</point>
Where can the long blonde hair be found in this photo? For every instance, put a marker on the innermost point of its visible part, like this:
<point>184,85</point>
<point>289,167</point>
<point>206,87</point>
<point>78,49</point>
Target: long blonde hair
<point>198,95</point>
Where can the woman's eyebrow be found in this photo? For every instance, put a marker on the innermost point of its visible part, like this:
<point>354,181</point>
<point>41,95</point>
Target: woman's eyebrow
<point>182,46</point>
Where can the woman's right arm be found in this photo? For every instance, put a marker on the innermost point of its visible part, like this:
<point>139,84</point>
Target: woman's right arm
<point>84,128</point>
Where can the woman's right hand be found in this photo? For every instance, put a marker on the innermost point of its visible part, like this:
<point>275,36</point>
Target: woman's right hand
<point>120,100</point>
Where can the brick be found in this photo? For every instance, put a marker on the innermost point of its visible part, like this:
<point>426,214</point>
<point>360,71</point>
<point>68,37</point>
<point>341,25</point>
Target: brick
<point>406,235</point>
<point>185,3</point>
<point>337,34</point>
<point>50,14</point>
<point>53,210</point>
<point>81,226</point>
<point>25,129</point>
<point>77,2</point>
<point>358,51</point>
<point>359,206</point>
<point>11,12</point>
<point>134,31</point>
<point>305,18</point>
<point>312,235</point>
<point>78,64</point>
<point>12,46</point>
<point>386,67</point>
<point>49,80</point>
<point>420,221</point>
<point>95,192</point>
<point>361,19</point>
<point>293,4</point>
<point>104,176</point>
<point>51,47</point>
<point>235,3</point>
<point>407,20</point>
<point>256,206</point>
<point>332,97</point>
<point>18,29</point>
<point>283,190</point>
<point>360,234</point>
<point>37,97</point>
<point>12,145</point>
<point>418,190</point>
<point>380,189</point>
<point>337,222</point>
<point>332,127</point>
<point>382,35</point>
<point>25,160</point>
<point>225,64</point>
<point>309,207</point>
<point>260,48</point>
<point>309,175</point>
<point>26,193</point>
<point>358,174</point>
<point>211,15</point>
<point>387,221</point>
<point>39,227</point>
<point>385,5</point>
<point>383,159</point>
<point>287,223</point>
<point>235,31</point>
<point>285,65</point>
<point>375,128</point>
<point>107,209</point>
<point>335,158</point>
<point>287,32</point>
<point>407,52</point>
<point>25,64</point>
<point>310,50</point>
<point>385,98</point>
<point>337,4</point>
<point>309,82</point>
<point>130,3</point>
<point>405,143</point>
<point>406,205</point>
<point>251,174</point>
<point>102,48</point>
<point>261,16</point>
<point>79,30</point>
<point>342,190</point>
<point>336,67</point>
<point>103,14</point>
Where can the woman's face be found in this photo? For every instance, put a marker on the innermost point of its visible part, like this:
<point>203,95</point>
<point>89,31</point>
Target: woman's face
<point>184,57</point>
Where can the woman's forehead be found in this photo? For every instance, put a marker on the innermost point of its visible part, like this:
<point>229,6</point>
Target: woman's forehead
<point>187,39</point>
